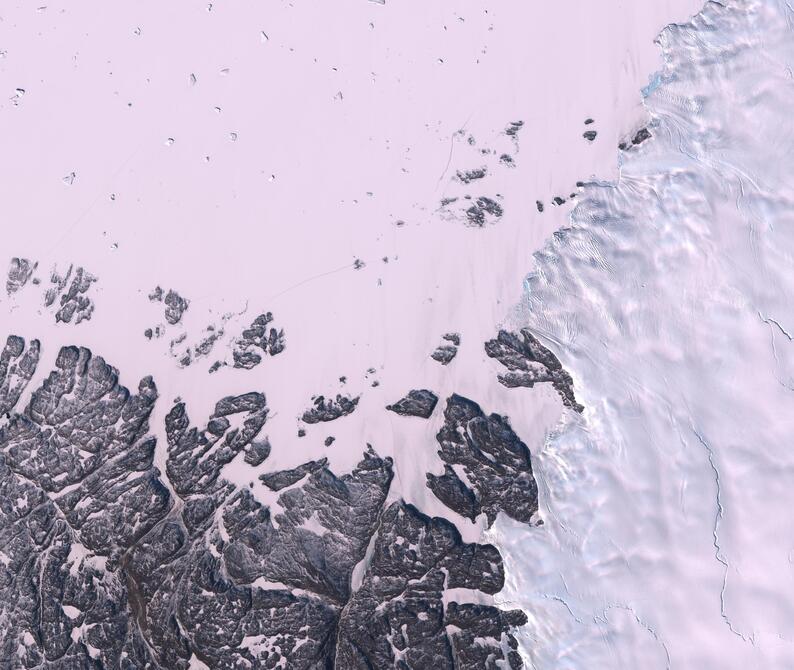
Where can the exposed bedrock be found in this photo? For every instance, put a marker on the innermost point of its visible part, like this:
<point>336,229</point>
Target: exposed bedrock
<point>17,366</point>
<point>444,353</point>
<point>318,538</point>
<point>73,305</point>
<point>530,363</point>
<point>488,468</point>
<point>20,270</point>
<point>419,403</point>
<point>175,304</point>
<point>328,409</point>
<point>256,341</point>
<point>105,562</point>
<point>397,619</point>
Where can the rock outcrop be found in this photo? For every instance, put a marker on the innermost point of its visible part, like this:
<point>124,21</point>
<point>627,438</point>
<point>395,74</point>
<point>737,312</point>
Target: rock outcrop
<point>419,403</point>
<point>494,464</point>
<point>327,409</point>
<point>530,363</point>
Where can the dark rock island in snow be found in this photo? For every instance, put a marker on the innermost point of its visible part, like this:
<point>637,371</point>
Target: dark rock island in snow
<point>256,341</point>
<point>175,304</point>
<point>327,409</point>
<point>419,403</point>
<point>530,363</point>
<point>72,305</point>
<point>444,353</point>
<point>20,271</point>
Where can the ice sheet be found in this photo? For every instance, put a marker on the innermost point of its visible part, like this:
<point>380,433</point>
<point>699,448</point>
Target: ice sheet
<point>668,536</point>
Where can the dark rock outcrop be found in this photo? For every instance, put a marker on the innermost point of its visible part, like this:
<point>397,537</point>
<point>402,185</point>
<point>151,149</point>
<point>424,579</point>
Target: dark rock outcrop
<point>276,481</point>
<point>419,403</point>
<point>397,618</point>
<point>19,273</point>
<point>175,307</point>
<point>77,491</point>
<point>639,137</point>
<point>326,409</point>
<point>484,210</point>
<point>444,353</point>
<point>318,538</point>
<point>16,368</point>
<point>257,340</point>
<point>175,304</point>
<point>496,465</point>
<point>73,303</point>
<point>513,127</point>
<point>257,451</point>
<point>530,363</point>
<point>468,176</point>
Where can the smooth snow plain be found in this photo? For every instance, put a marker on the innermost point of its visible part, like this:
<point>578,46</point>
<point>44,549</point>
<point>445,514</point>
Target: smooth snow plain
<point>668,506</point>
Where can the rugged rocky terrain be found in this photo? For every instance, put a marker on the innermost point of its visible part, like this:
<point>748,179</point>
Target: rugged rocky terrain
<point>419,403</point>
<point>108,562</point>
<point>494,465</point>
<point>67,295</point>
<point>530,363</point>
<point>329,409</point>
<point>256,341</point>
<point>20,272</point>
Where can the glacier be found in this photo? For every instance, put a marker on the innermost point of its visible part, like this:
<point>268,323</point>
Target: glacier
<point>667,505</point>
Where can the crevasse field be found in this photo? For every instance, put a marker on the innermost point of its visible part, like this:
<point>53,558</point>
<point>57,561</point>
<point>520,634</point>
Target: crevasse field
<point>668,504</point>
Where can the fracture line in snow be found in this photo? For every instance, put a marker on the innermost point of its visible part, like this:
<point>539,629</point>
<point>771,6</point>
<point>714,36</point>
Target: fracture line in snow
<point>641,622</point>
<point>770,320</point>
<point>715,533</point>
<point>559,599</point>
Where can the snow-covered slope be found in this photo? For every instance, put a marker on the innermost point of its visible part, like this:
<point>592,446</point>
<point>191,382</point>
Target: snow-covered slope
<point>669,533</point>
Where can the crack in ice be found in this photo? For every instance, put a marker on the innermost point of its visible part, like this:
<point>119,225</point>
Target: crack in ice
<point>559,599</point>
<point>628,608</point>
<point>772,322</point>
<point>769,320</point>
<point>718,554</point>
